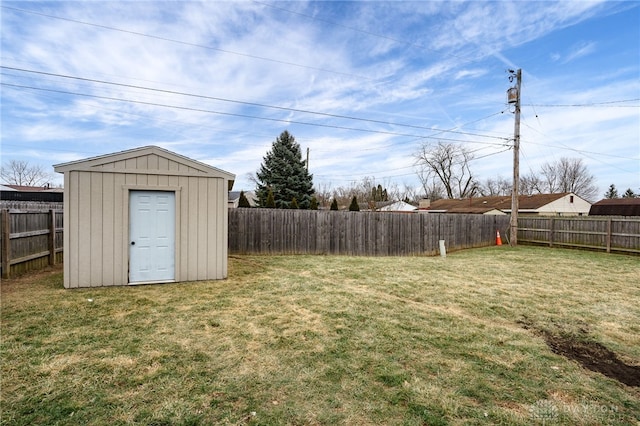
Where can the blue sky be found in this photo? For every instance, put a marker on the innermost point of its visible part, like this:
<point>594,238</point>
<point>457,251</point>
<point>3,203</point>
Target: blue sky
<point>240,73</point>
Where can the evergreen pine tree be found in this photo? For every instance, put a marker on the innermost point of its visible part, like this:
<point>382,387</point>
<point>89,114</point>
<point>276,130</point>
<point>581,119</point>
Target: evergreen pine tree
<point>313,205</point>
<point>334,204</point>
<point>270,203</point>
<point>243,201</point>
<point>379,193</point>
<point>612,192</point>
<point>629,194</point>
<point>354,207</point>
<point>285,173</point>
<point>294,203</point>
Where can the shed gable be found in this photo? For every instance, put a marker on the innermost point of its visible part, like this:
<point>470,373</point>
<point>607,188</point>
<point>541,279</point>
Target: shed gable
<point>148,160</point>
<point>148,163</point>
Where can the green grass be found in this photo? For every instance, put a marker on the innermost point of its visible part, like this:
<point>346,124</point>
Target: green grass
<point>328,340</point>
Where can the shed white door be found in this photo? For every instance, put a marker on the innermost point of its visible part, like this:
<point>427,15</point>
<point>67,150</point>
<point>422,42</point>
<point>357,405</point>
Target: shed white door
<point>151,236</point>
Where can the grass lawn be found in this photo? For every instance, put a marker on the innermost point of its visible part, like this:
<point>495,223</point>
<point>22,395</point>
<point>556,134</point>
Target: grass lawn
<point>484,336</point>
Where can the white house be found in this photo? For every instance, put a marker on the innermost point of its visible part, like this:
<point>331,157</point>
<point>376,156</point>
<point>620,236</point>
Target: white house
<point>398,206</point>
<point>234,198</point>
<point>562,204</point>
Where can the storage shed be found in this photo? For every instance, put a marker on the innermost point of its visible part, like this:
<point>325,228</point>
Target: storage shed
<point>146,215</point>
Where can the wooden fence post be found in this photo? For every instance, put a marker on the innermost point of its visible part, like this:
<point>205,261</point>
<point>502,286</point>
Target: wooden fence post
<point>551,229</point>
<point>5,228</point>
<point>52,237</point>
<point>609,235</point>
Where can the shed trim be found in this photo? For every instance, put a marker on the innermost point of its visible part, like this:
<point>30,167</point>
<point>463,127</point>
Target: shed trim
<point>149,172</point>
<point>135,187</point>
<point>152,282</point>
<point>90,164</point>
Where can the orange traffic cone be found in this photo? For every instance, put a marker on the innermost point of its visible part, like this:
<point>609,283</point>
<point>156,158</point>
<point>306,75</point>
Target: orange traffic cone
<point>498,239</point>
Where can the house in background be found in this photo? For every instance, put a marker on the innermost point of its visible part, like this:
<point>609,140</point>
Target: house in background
<point>387,206</point>
<point>562,204</point>
<point>30,197</point>
<point>616,207</point>
<point>398,206</point>
<point>486,210</point>
<point>234,198</point>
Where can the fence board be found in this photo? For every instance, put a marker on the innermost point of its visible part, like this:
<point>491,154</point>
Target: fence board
<point>31,240</point>
<point>274,231</point>
<point>611,233</point>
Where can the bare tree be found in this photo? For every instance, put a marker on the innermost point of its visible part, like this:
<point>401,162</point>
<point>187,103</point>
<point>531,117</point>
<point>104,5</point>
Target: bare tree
<point>431,187</point>
<point>494,187</point>
<point>17,172</point>
<point>550,174</point>
<point>410,194</point>
<point>324,194</point>
<point>568,175</point>
<point>449,164</point>
<point>362,190</point>
<point>531,184</point>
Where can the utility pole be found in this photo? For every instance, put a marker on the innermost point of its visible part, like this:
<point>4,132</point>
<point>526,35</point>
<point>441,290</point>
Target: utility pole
<point>307,159</point>
<point>513,95</point>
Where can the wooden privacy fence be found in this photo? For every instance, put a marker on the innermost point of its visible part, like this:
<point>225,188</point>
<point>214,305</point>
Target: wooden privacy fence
<point>29,240</point>
<point>274,231</point>
<point>608,233</point>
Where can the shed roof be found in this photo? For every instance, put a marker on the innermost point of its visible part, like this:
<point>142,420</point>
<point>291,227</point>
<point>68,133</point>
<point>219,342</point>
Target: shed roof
<point>616,207</point>
<point>94,163</point>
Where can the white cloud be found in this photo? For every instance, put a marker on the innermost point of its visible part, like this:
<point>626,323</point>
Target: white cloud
<point>433,65</point>
<point>578,50</point>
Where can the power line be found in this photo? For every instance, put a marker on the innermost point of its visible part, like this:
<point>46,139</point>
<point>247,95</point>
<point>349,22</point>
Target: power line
<point>324,114</point>
<point>366,174</point>
<point>584,153</point>
<point>568,148</point>
<point>451,130</point>
<point>607,104</point>
<point>173,122</point>
<point>229,113</point>
<point>399,168</point>
<point>418,137</point>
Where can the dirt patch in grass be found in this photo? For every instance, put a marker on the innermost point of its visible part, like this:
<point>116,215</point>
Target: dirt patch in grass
<point>579,347</point>
<point>595,357</point>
